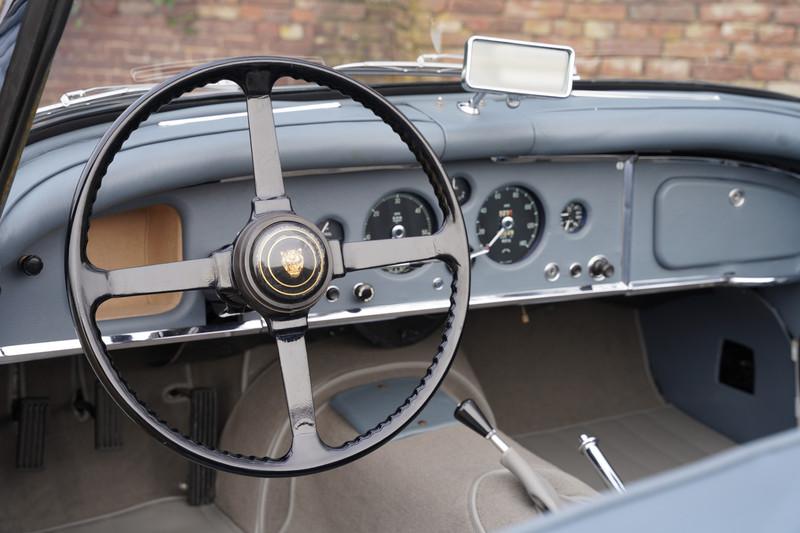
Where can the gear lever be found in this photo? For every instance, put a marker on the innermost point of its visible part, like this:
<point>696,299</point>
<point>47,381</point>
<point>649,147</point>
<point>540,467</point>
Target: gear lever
<point>542,494</point>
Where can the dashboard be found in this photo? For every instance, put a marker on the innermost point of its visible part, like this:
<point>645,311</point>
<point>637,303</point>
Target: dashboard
<point>542,227</point>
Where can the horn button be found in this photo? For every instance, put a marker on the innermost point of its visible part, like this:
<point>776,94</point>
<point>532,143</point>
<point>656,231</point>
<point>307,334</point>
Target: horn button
<point>281,264</point>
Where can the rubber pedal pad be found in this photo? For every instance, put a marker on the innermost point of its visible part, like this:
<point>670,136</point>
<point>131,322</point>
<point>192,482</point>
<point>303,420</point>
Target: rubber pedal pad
<point>31,416</point>
<point>203,422</point>
<point>107,421</point>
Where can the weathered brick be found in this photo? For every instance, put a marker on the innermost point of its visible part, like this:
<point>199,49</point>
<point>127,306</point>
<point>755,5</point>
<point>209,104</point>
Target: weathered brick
<point>567,28</point>
<point>599,30</point>
<point>720,71</point>
<point>662,30</point>
<point>762,52</point>
<point>738,31</point>
<point>668,69</point>
<point>536,9</point>
<point>252,12</point>
<point>696,49</point>
<point>788,14</point>
<point>291,32</point>
<point>776,33</point>
<point>629,47</point>
<point>477,6</point>
<point>587,66</point>
<point>537,27</point>
<point>621,67</point>
<point>769,71</point>
<point>221,12</point>
<point>303,15</point>
<point>596,11</point>
<point>634,30</point>
<point>738,11</point>
<point>663,11</point>
<point>794,72</point>
<point>702,31</point>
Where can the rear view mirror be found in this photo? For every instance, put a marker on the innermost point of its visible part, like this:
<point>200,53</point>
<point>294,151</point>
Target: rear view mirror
<point>516,67</point>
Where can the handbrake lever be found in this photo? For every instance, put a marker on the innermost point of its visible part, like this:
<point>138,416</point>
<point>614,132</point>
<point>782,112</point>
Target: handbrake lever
<point>544,497</point>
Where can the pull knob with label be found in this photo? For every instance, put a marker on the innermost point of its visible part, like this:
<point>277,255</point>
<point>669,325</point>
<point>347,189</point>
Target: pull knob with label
<point>600,268</point>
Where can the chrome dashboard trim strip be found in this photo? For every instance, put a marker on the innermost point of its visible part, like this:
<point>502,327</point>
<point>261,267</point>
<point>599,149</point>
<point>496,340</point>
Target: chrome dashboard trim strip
<point>275,111</point>
<point>44,350</point>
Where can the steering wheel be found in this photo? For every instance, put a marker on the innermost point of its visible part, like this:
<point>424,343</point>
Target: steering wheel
<point>279,265</point>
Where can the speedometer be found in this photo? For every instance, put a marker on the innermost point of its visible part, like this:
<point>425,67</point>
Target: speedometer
<point>396,216</point>
<point>509,224</point>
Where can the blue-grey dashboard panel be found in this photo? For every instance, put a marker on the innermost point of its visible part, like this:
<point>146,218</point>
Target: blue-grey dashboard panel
<point>662,222</point>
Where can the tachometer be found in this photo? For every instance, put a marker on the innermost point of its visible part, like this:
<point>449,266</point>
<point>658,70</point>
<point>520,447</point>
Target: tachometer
<point>509,223</point>
<point>396,216</point>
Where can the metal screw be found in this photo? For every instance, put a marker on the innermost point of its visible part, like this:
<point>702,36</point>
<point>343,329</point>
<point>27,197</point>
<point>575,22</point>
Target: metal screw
<point>736,197</point>
<point>551,272</point>
<point>575,270</point>
<point>438,283</point>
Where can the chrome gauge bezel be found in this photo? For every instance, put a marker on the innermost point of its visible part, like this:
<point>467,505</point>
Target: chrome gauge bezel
<point>430,215</point>
<point>540,218</point>
<point>561,221</point>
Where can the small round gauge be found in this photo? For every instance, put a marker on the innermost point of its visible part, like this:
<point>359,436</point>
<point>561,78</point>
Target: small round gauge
<point>573,217</point>
<point>509,223</point>
<point>396,216</point>
<point>332,229</point>
<point>462,189</point>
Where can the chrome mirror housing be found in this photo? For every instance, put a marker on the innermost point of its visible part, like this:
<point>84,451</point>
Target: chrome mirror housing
<point>519,68</point>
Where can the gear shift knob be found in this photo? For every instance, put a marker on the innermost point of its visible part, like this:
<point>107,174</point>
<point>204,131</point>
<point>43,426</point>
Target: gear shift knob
<point>471,416</point>
<point>542,494</point>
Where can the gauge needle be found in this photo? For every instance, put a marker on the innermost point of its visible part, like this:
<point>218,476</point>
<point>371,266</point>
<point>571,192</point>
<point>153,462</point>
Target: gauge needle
<point>506,224</point>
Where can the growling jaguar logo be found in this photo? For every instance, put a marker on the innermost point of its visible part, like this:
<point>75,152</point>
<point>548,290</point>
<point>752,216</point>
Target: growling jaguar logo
<point>292,261</point>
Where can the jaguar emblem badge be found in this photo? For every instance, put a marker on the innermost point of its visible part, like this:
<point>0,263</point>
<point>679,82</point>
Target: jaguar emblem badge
<point>292,261</point>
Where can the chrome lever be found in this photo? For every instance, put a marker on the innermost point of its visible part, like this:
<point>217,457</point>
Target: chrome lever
<point>592,451</point>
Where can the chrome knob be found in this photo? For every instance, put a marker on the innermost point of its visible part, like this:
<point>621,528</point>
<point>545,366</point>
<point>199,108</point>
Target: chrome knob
<point>363,292</point>
<point>600,268</point>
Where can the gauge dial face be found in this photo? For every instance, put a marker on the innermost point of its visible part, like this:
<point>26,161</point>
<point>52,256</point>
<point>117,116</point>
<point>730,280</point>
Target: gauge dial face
<point>462,189</point>
<point>332,229</point>
<point>509,223</point>
<point>573,217</point>
<point>397,216</point>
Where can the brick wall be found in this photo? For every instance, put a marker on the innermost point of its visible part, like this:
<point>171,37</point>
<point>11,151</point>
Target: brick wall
<point>754,43</point>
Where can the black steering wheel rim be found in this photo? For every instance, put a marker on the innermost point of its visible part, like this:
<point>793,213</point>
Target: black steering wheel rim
<point>88,285</point>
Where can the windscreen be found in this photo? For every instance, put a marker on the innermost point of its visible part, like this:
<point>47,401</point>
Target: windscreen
<point>752,43</point>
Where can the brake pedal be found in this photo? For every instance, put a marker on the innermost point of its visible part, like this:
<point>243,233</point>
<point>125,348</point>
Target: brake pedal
<point>107,429</point>
<point>203,428</point>
<point>31,416</point>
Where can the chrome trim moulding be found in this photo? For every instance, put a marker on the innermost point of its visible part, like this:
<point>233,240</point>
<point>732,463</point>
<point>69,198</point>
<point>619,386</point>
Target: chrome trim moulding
<point>44,350</point>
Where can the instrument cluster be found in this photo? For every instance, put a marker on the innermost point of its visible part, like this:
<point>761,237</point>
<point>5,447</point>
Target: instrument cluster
<point>508,228</point>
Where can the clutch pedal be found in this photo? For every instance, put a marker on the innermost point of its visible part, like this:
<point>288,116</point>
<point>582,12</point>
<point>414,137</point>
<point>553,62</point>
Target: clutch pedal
<point>203,428</point>
<point>107,429</point>
<point>31,416</point>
